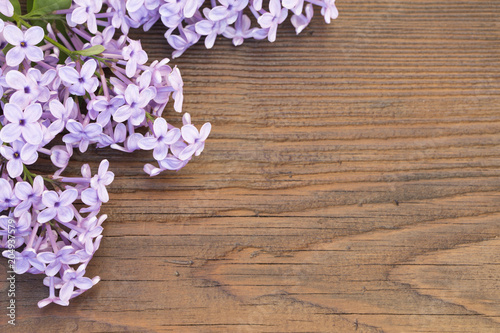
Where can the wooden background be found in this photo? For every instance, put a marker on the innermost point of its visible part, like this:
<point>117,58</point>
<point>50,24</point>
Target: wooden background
<point>350,184</point>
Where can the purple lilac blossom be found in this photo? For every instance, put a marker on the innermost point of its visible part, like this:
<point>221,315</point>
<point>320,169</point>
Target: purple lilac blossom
<point>46,97</point>
<point>188,20</point>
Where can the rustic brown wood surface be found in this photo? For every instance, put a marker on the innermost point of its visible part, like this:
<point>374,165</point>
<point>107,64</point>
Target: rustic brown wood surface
<point>351,184</point>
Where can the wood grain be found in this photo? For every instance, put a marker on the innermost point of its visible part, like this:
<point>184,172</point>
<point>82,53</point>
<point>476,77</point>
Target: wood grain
<point>351,184</point>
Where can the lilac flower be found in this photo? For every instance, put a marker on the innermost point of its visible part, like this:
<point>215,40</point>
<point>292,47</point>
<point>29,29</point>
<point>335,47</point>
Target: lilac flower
<point>43,80</point>
<point>83,135</point>
<point>228,10</point>
<point>151,170</point>
<point>7,197</point>
<point>106,108</point>
<point>78,83</point>
<point>101,180</point>
<point>134,54</point>
<point>271,20</point>
<point>240,31</point>
<point>135,5</point>
<point>135,103</point>
<point>34,114</point>
<point>65,256</point>
<point>85,12</point>
<point>52,298</point>
<point>60,155</point>
<point>301,21</point>
<point>210,28</point>
<point>22,123</point>
<point>91,199</point>
<point>171,162</point>
<point>195,139</point>
<point>182,42</point>
<point>27,90</point>
<point>176,82</point>
<point>21,228</point>
<point>294,5</point>
<point>74,279</point>
<point>6,8</point>
<point>25,260</point>
<point>119,19</point>
<point>161,140</point>
<point>29,196</point>
<point>330,12</point>
<point>62,113</point>
<point>24,44</point>
<point>131,144</point>
<point>58,206</point>
<point>92,229</point>
<point>186,8</point>
<point>19,154</point>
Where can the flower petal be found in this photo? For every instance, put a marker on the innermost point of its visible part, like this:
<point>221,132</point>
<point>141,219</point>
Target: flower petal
<point>65,214</point>
<point>68,197</point>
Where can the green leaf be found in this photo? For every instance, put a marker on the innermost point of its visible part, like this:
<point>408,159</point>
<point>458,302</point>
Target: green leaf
<point>96,49</point>
<point>29,5</point>
<point>17,6</point>
<point>43,7</point>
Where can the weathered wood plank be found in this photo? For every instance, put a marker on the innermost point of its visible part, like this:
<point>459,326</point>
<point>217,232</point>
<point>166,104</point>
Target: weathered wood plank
<point>351,184</point>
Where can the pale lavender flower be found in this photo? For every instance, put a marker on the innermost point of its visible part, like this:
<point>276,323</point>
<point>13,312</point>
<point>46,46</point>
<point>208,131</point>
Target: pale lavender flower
<point>91,199</point>
<point>135,103</point>
<point>240,31</point>
<point>90,248</point>
<point>19,154</point>
<point>27,90</point>
<point>58,206</point>
<point>294,5</point>
<point>101,180</point>
<point>151,170</point>
<point>131,143</point>
<point>20,229</point>
<point>195,139</point>
<point>78,83</point>
<point>24,44</point>
<point>210,28</point>
<point>330,12</point>
<point>52,298</point>
<point>183,41</point>
<point>135,5</point>
<point>106,108</point>
<point>177,84</point>
<point>228,10</point>
<point>85,12</point>
<point>7,197</point>
<point>22,123</point>
<point>91,229</point>
<point>271,20</point>
<point>62,113</point>
<point>301,21</point>
<point>72,279</point>
<point>171,162</point>
<point>82,135</point>
<point>24,260</point>
<point>186,8</point>
<point>134,55</point>
<point>29,195</point>
<point>161,139</point>
<point>65,255</point>
<point>6,8</point>
<point>60,155</point>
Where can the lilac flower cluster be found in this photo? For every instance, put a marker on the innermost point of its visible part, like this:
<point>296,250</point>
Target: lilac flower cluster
<point>65,91</point>
<point>188,20</point>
